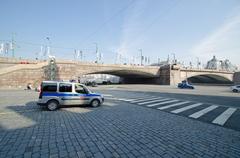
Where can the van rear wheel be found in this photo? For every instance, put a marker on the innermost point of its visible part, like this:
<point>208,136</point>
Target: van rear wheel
<point>235,91</point>
<point>95,103</point>
<point>52,105</point>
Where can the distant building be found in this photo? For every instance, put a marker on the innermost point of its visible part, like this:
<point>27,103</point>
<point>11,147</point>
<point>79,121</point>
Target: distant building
<point>225,65</point>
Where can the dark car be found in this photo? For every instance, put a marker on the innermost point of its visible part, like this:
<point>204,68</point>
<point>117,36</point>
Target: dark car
<point>185,85</point>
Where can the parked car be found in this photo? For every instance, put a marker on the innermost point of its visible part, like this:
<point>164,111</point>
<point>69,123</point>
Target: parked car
<point>185,85</point>
<point>235,88</point>
<point>54,94</point>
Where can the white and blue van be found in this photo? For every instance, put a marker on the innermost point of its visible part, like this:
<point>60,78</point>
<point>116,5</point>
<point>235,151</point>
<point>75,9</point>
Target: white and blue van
<point>54,94</point>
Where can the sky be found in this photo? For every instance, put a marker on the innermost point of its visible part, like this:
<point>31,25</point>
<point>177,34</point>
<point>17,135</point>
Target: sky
<point>186,29</point>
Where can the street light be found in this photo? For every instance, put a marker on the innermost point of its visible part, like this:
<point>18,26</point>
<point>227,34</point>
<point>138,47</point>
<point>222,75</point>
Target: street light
<point>96,52</point>
<point>174,59</point>
<point>48,46</point>
<point>140,50</point>
<point>198,63</point>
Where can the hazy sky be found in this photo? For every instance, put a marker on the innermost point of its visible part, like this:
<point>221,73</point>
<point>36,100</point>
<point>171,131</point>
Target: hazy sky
<point>187,28</point>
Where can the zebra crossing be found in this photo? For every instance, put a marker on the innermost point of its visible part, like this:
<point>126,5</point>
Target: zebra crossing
<point>191,109</point>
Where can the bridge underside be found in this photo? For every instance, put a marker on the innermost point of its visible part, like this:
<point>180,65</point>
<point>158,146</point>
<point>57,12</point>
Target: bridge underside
<point>209,79</point>
<point>132,77</point>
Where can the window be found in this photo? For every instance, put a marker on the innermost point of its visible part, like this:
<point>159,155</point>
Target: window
<point>49,87</point>
<point>80,89</point>
<point>65,87</point>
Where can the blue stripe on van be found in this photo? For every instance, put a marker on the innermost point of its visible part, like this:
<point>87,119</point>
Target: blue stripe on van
<point>68,94</point>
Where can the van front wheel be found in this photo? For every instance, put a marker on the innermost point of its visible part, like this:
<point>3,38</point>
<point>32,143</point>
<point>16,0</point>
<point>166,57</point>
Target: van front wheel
<point>95,103</point>
<point>52,105</point>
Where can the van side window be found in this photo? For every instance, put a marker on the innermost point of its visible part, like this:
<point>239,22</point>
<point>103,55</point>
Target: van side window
<point>64,87</point>
<point>80,89</point>
<point>49,87</point>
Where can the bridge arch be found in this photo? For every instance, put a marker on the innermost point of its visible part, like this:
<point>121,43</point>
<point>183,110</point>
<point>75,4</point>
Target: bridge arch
<point>126,73</point>
<point>129,76</point>
<point>209,79</point>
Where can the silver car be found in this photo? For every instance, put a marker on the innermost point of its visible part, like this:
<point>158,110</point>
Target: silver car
<point>54,94</point>
<point>235,88</point>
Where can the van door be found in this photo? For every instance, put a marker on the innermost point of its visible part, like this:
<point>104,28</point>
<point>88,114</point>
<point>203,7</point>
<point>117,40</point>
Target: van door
<point>82,93</point>
<point>67,95</point>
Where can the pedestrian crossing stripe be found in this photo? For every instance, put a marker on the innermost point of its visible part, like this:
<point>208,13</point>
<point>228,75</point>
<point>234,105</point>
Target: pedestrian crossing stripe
<point>131,99</point>
<point>223,117</point>
<point>107,95</point>
<point>203,111</point>
<point>173,105</point>
<point>161,103</point>
<point>143,99</point>
<point>152,101</point>
<point>186,108</point>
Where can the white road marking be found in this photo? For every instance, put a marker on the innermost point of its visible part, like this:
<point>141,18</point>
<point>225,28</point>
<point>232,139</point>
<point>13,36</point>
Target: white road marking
<point>186,108</point>
<point>203,111</point>
<point>144,99</point>
<point>107,95</point>
<point>122,99</point>
<point>173,105</point>
<point>161,103</point>
<point>131,100</point>
<point>152,101</point>
<point>223,117</point>
<point>127,99</point>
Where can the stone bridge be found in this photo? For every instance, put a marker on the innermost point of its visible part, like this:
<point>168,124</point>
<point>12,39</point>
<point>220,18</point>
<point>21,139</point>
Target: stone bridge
<point>179,74</point>
<point>16,74</point>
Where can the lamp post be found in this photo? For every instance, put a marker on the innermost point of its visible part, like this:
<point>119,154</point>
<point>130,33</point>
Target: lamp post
<point>174,59</point>
<point>13,45</point>
<point>48,46</point>
<point>140,50</point>
<point>198,63</point>
<point>97,56</point>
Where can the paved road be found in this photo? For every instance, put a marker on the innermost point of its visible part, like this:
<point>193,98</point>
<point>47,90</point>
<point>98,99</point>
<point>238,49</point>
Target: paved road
<point>119,128</point>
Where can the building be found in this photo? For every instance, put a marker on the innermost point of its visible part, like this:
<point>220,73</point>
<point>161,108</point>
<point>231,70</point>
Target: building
<point>224,65</point>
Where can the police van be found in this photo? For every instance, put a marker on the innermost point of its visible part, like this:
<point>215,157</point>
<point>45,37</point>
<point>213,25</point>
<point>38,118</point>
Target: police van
<point>54,94</point>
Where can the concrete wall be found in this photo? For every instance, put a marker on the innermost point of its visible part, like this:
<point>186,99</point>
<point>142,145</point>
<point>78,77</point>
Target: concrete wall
<point>20,78</point>
<point>236,78</point>
<point>164,77</point>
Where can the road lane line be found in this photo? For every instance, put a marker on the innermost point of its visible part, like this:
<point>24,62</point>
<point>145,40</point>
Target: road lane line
<point>152,101</point>
<point>186,108</point>
<point>223,117</point>
<point>161,103</point>
<point>145,99</point>
<point>173,105</point>
<point>203,111</point>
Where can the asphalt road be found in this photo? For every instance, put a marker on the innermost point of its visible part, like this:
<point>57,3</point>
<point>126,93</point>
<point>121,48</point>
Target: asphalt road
<point>220,95</point>
<point>128,124</point>
<point>216,101</point>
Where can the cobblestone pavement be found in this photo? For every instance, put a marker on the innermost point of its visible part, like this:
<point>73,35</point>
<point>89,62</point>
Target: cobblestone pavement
<point>116,129</point>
